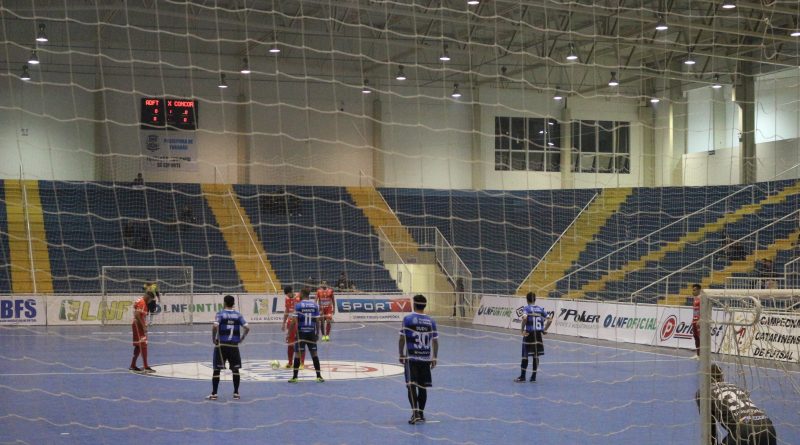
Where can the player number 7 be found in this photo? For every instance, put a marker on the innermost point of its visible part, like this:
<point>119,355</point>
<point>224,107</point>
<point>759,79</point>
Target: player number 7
<point>230,329</point>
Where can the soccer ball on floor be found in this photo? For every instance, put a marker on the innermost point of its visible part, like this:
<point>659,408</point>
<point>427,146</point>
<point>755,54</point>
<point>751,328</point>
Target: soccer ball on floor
<point>275,364</point>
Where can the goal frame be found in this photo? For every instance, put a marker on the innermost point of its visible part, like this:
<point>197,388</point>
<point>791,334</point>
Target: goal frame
<point>156,270</point>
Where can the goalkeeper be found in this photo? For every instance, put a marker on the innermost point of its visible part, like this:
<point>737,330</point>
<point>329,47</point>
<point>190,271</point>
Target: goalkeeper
<point>152,306</point>
<point>732,408</point>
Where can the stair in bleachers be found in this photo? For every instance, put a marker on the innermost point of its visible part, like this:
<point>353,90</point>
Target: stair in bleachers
<point>377,211</point>
<point>745,265</point>
<point>23,255</point>
<point>5,262</point>
<point>568,248</point>
<point>693,237</point>
<point>252,263</point>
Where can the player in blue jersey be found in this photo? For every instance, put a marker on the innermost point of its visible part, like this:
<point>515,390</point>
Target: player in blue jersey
<point>307,314</point>
<point>533,326</point>
<point>229,329</point>
<point>418,348</point>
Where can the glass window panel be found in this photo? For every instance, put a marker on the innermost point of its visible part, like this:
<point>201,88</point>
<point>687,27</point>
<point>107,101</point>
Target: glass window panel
<point>553,133</point>
<point>553,161</point>
<point>587,163</point>
<point>502,160</point>
<point>623,137</point>
<point>576,135</point>
<point>605,136</point>
<point>575,162</point>
<point>605,163</point>
<point>623,164</point>
<point>518,133</point>
<point>537,134</point>
<point>588,137</point>
<point>519,161</point>
<point>502,131</point>
<point>536,161</point>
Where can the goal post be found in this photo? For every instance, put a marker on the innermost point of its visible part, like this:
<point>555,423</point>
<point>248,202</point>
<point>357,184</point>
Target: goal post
<point>755,332</point>
<point>175,284</point>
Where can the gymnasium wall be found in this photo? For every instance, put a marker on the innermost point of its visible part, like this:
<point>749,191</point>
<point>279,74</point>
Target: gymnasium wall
<point>325,132</point>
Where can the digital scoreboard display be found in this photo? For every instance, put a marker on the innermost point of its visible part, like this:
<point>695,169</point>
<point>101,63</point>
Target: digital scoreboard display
<point>168,113</point>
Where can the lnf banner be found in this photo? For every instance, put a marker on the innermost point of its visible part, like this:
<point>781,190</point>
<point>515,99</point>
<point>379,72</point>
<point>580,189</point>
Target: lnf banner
<point>629,323</point>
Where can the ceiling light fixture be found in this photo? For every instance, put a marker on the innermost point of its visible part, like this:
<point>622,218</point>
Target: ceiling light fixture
<point>33,59</point>
<point>572,55</point>
<point>365,88</point>
<point>245,67</point>
<point>716,85</point>
<point>26,75</point>
<point>613,82</point>
<point>400,74</point>
<point>445,57</point>
<point>728,4</point>
<point>558,95</point>
<point>456,93</point>
<point>654,100</point>
<point>661,25</point>
<point>222,82</point>
<point>41,36</point>
<point>274,49</point>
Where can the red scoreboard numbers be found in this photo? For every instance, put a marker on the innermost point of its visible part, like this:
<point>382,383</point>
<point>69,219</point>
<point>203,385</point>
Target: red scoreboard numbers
<point>166,113</point>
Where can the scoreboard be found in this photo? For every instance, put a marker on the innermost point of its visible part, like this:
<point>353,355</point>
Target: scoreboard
<point>168,113</point>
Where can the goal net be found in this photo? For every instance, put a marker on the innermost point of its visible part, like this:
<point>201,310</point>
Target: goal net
<point>755,340</point>
<point>175,286</point>
<point>569,149</point>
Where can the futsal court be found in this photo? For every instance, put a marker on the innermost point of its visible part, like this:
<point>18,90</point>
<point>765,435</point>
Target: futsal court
<point>72,386</point>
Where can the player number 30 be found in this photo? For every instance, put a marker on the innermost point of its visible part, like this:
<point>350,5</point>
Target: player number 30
<point>422,340</point>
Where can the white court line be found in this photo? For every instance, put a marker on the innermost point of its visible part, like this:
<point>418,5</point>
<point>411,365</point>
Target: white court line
<point>509,334</point>
<point>360,326</point>
<point>36,374</point>
<point>586,362</point>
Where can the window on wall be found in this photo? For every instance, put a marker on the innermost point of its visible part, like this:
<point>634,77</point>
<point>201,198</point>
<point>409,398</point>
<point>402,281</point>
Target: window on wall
<point>601,147</point>
<point>527,144</point>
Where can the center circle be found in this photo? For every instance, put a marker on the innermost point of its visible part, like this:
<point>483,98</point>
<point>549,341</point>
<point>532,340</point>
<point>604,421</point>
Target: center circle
<point>262,371</point>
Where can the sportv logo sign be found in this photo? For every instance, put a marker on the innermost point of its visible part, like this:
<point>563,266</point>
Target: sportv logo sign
<point>374,305</point>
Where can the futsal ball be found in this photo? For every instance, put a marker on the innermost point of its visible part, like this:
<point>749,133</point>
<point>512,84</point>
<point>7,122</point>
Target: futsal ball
<point>275,364</point>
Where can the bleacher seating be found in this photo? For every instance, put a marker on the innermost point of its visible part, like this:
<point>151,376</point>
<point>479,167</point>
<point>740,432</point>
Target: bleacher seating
<point>499,235</point>
<point>90,225</point>
<point>319,232</point>
<point>315,233</point>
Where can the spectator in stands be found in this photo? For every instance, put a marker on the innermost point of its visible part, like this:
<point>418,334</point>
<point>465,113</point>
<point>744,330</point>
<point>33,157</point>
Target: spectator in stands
<point>342,284</point>
<point>737,252</point>
<point>187,218</point>
<point>129,234</point>
<point>767,273</point>
<point>138,180</point>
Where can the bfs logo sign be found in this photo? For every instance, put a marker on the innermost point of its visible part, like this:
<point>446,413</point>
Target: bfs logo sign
<point>16,309</point>
<point>374,305</point>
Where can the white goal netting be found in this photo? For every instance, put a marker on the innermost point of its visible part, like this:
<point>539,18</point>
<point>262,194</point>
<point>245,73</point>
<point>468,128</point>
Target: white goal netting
<point>584,150</point>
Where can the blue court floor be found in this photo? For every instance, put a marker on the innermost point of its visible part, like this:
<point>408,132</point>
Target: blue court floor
<point>71,386</point>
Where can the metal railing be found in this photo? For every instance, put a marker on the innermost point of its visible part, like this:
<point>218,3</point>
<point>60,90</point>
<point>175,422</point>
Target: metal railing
<point>791,272</point>
<point>556,242</point>
<point>604,263</point>
<point>637,295</point>
<point>393,260</point>
<point>755,283</point>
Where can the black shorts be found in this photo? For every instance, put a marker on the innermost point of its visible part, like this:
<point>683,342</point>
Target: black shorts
<point>419,373</point>
<point>304,339</point>
<point>757,433</point>
<point>532,344</point>
<point>227,353</point>
<point>152,307</point>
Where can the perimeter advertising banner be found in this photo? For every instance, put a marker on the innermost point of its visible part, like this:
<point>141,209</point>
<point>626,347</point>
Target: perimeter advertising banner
<point>23,309</point>
<point>630,323</point>
<point>118,309</point>
<point>776,336</point>
<point>270,308</point>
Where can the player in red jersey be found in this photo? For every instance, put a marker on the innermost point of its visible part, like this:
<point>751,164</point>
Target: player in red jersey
<point>139,328</point>
<point>327,305</point>
<point>288,325</point>
<point>696,317</point>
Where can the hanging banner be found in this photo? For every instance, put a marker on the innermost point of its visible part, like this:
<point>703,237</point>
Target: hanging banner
<point>170,150</point>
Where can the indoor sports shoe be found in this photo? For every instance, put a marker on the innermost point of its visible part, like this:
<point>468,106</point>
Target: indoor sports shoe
<point>135,369</point>
<point>320,380</point>
<point>292,380</point>
<point>413,420</point>
<point>288,366</point>
<point>421,417</point>
<point>236,396</point>
<point>211,397</point>
<point>149,370</point>
<point>520,379</point>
